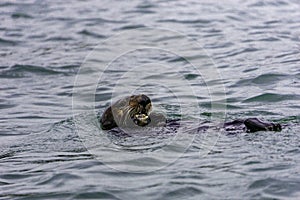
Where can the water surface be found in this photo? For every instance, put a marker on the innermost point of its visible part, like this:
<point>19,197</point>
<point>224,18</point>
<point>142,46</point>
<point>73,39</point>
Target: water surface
<point>45,152</point>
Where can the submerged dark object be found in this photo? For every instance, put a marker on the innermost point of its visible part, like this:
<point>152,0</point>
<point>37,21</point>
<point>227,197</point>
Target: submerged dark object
<point>254,124</point>
<point>134,111</point>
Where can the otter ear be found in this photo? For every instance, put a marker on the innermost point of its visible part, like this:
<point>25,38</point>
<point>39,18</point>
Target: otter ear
<point>132,101</point>
<point>131,98</point>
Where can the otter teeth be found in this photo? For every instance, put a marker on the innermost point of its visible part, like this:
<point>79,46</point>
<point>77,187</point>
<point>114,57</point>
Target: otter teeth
<point>142,116</point>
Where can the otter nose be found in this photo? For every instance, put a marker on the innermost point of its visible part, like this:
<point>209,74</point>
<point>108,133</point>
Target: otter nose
<point>144,100</point>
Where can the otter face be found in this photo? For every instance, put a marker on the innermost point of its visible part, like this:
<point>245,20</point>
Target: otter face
<point>133,110</point>
<point>141,106</point>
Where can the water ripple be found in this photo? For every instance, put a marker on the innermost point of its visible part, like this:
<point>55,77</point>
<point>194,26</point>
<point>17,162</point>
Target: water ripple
<point>271,97</point>
<point>20,71</point>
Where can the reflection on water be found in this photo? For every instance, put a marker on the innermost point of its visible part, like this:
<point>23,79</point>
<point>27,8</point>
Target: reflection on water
<point>52,146</point>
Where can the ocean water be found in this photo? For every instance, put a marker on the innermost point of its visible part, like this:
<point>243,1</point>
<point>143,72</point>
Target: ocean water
<point>204,62</point>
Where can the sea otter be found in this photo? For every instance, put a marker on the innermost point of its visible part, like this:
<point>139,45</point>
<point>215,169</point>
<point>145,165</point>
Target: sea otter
<point>127,112</point>
<point>135,111</point>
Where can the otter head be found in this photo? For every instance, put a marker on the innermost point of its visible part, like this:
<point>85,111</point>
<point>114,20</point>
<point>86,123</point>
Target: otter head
<point>140,109</point>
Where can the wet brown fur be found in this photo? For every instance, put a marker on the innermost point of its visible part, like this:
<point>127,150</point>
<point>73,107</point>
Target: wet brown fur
<point>122,112</point>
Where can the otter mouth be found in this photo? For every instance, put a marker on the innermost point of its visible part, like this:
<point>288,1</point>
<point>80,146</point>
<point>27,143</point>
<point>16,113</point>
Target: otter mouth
<point>141,119</point>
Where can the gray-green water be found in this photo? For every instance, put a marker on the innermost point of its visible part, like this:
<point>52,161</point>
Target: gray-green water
<point>51,145</point>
